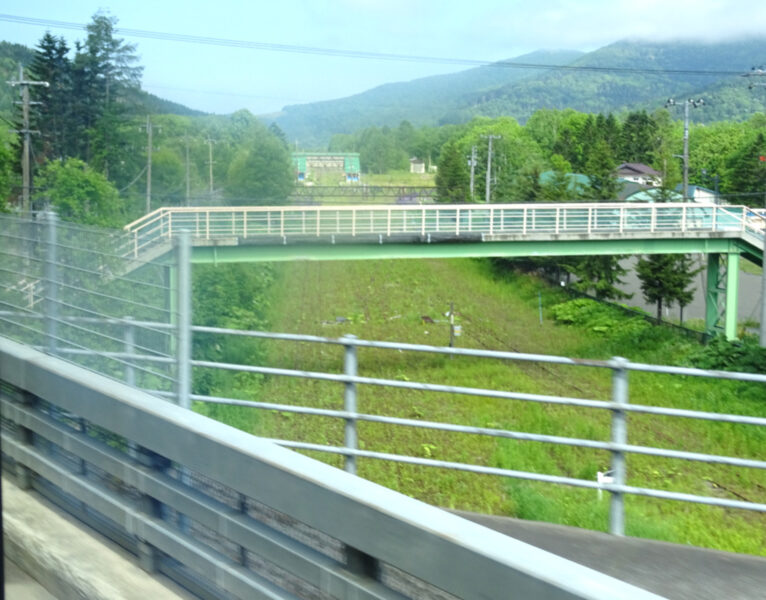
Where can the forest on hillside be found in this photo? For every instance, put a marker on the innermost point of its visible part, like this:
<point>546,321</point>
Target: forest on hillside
<point>104,152</point>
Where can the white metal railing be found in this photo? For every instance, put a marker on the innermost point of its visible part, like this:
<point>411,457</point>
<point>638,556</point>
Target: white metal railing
<point>592,219</point>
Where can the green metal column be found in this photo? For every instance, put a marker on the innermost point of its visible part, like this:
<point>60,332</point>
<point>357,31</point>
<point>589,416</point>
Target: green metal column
<point>712,293</point>
<point>732,294</point>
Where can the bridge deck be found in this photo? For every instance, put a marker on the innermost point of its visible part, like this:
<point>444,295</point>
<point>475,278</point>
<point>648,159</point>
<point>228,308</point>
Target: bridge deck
<point>628,228</point>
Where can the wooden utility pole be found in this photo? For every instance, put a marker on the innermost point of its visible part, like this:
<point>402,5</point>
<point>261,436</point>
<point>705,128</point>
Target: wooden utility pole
<point>26,176</point>
<point>210,143</point>
<point>473,168</point>
<point>188,187</point>
<point>148,165</point>
<point>685,156</point>
<point>488,185</point>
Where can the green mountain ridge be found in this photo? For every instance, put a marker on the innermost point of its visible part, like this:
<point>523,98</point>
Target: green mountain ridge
<point>459,97</point>
<point>589,91</point>
<point>424,101</point>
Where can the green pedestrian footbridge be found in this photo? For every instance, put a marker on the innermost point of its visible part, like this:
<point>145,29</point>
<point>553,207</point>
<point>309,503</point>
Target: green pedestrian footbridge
<point>725,234</point>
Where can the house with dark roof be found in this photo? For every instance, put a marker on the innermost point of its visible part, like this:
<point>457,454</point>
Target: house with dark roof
<point>639,173</point>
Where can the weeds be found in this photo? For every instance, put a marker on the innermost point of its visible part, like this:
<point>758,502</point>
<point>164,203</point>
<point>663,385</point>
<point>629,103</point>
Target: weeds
<point>501,312</point>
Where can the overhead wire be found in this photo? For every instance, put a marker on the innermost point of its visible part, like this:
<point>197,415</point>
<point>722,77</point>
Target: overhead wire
<point>359,54</point>
<point>80,346</point>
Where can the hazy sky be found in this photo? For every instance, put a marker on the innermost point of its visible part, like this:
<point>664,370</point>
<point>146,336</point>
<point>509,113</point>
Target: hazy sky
<point>224,79</point>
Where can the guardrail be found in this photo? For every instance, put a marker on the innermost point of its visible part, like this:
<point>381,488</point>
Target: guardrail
<point>484,221</point>
<point>225,513</point>
<point>133,361</point>
<point>619,407</point>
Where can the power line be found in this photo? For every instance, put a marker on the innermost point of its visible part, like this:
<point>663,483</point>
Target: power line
<point>360,54</point>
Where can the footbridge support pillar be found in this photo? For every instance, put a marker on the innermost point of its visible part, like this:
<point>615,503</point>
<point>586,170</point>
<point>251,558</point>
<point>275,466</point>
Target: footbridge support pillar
<point>722,294</point>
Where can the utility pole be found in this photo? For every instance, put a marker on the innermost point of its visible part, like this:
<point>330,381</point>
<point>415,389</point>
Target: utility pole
<point>210,143</point>
<point>488,184</point>
<point>685,156</point>
<point>473,167</point>
<point>188,187</point>
<point>148,165</point>
<point>26,132</point>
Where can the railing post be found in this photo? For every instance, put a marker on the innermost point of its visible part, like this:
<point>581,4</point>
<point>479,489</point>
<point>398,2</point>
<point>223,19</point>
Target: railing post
<point>619,436</point>
<point>350,364</point>
<point>129,339</point>
<point>184,291</point>
<point>51,284</point>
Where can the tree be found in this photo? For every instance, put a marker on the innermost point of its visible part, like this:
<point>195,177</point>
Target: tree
<point>561,184</point>
<point>601,171</point>
<point>260,174</point>
<point>79,194</point>
<point>638,138</point>
<point>599,274</point>
<point>277,132</point>
<point>6,173</point>
<point>53,114</point>
<point>746,172</point>
<point>452,177</point>
<point>105,76</point>
<point>665,278</point>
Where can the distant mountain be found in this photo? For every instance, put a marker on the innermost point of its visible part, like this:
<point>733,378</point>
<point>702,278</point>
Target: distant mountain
<point>595,92</point>
<point>496,90</point>
<point>426,101</point>
<point>159,106</point>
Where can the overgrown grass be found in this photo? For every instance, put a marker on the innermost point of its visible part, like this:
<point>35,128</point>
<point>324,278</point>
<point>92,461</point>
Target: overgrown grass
<point>387,300</point>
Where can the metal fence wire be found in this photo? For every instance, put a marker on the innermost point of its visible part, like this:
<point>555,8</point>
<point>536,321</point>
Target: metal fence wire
<point>67,289</point>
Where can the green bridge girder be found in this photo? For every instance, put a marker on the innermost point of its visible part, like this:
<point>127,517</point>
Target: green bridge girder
<point>723,253</point>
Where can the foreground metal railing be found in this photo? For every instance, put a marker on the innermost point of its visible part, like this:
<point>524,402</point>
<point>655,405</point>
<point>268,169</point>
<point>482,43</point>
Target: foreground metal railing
<point>227,514</point>
<point>615,480</point>
<point>385,221</point>
<point>619,407</point>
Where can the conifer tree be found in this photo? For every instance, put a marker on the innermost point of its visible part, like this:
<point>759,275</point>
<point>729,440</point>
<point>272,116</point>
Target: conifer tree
<point>452,177</point>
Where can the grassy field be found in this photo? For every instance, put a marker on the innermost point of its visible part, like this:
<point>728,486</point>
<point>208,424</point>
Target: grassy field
<point>387,300</point>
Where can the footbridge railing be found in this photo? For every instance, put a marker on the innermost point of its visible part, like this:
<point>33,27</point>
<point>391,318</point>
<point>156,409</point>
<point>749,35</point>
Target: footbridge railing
<point>227,514</point>
<point>470,221</point>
